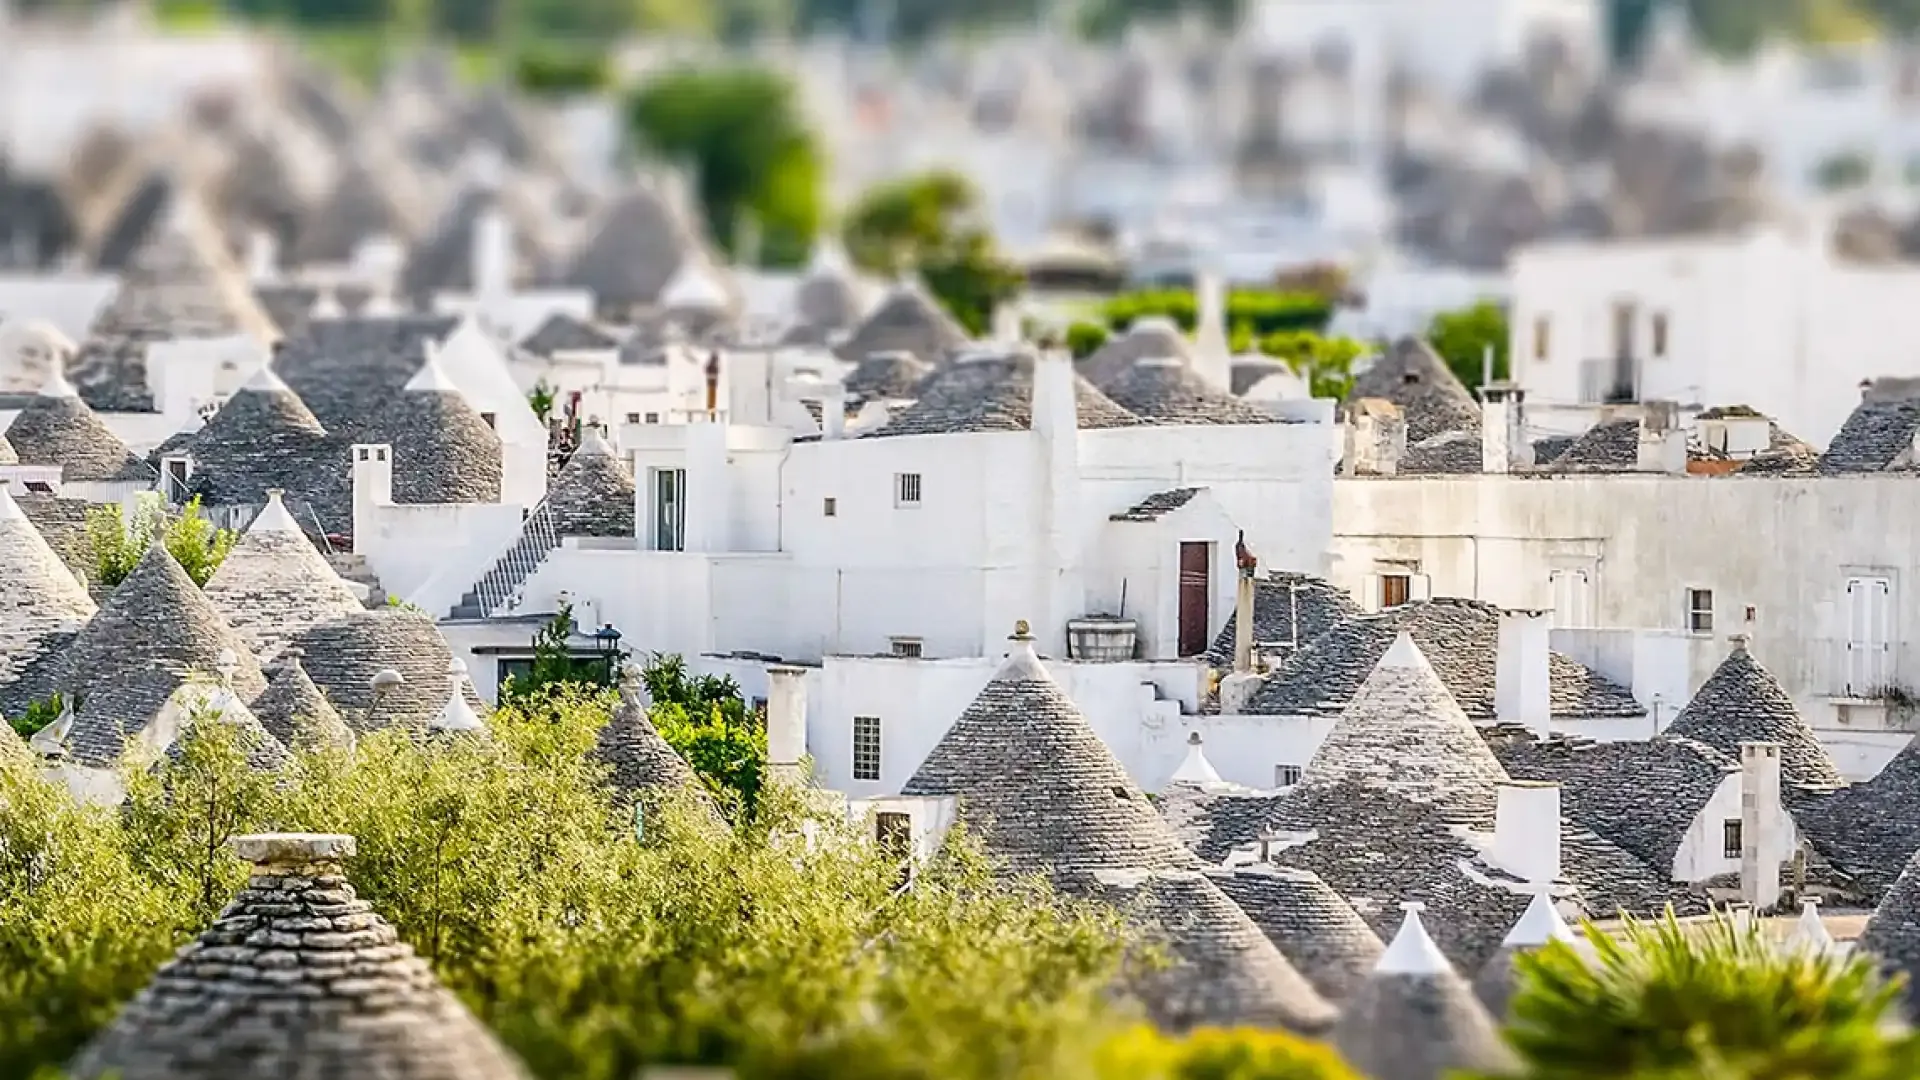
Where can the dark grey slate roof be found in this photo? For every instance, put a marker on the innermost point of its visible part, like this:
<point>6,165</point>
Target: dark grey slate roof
<point>347,370</point>
<point>1743,702</point>
<point>357,209</point>
<point>1450,453</point>
<point>260,994</point>
<point>1418,1020</point>
<point>42,605</point>
<point>288,305</point>
<point>1874,435</point>
<point>155,631</point>
<point>992,393</point>
<point>1641,795</point>
<point>443,452</point>
<point>181,282</point>
<point>1319,933</point>
<point>344,655</point>
<point>1225,972</point>
<point>63,525</point>
<point>1413,376</point>
<point>274,584</point>
<point>1163,391</point>
<point>1796,459</point>
<point>1158,505</point>
<point>1497,980</point>
<point>1459,637</point>
<point>1613,446</point>
<point>1868,830</point>
<point>1250,371</point>
<point>263,438</point>
<point>133,221</point>
<point>1147,339</point>
<point>256,188</point>
<point>1288,609</point>
<point>34,215</point>
<point>639,761</point>
<point>1892,935</point>
<point>886,376</point>
<point>562,332</point>
<point>442,260</point>
<point>909,321</point>
<point>631,252</point>
<point>826,299</point>
<point>62,430</point>
<point>593,493</point>
<point>1214,819</point>
<point>263,751</point>
<point>1047,797</point>
<point>111,374</point>
<point>295,711</point>
<point>1547,449</point>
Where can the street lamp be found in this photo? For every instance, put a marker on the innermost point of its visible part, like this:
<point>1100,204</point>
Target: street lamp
<point>607,640</point>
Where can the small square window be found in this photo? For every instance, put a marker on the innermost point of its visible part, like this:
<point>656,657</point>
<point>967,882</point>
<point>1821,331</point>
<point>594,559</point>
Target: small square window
<point>908,647</point>
<point>1700,611</point>
<point>1732,843</point>
<point>1542,338</point>
<point>653,418</point>
<point>1660,335</point>
<point>866,748</point>
<point>633,418</point>
<point>906,489</point>
<point>1395,590</point>
<point>1286,775</point>
<point>829,507</point>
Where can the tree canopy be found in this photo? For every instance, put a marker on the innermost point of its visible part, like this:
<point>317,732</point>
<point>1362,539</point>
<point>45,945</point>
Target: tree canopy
<point>931,224</point>
<point>1463,338</point>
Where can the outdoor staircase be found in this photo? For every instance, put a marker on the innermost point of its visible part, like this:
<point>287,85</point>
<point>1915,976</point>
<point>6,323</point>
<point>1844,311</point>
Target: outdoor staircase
<point>353,569</point>
<point>499,589</point>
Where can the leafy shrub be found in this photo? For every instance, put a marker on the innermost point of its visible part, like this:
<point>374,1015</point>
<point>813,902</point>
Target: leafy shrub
<point>1218,1054</point>
<point>554,71</point>
<point>1260,311</point>
<point>706,720</point>
<point>1085,338</point>
<point>118,545</point>
<point>1463,337</point>
<point>38,715</point>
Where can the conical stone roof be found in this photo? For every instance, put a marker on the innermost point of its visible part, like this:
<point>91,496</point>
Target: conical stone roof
<point>295,710</point>
<point>886,376</point>
<point>909,321</point>
<point>1404,734</point>
<point>1313,927</point>
<point>632,251</point>
<point>217,705</point>
<point>181,283</point>
<point>356,210</point>
<point>443,452</point>
<point>348,656</point>
<point>1413,376</point>
<point>1541,924</point>
<point>42,605</point>
<point>1743,702</point>
<point>263,437</point>
<point>1415,1018</point>
<point>155,632</point>
<point>1164,391</point>
<point>297,978</point>
<point>274,585</point>
<point>57,428</point>
<point>1151,338</point>
<point>641,762</point>
<point>593,493</point>
<point>1046,796</point>
<point>1892,934</point>
<point>993,392</point>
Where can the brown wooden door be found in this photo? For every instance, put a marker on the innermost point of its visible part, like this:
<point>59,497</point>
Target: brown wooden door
<point>1196,585</point>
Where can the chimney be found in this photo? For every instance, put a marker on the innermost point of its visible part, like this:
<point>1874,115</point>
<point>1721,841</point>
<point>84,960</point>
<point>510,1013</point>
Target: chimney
<point>1761,847</point>
<point>713,384</point>
<point>263,256</point>
<point>372,489</point>
<point>1376,438</point>
<point>1006,323</point>
<point>1243,617</point>
<point>276,855</point>
<point>492,261</point>
<point>1526,831</point>
<point>1522,686</point>
<point>833,412</point>
<point>1503,434</point>
<point>787,721</point>
<point>1057,541</point>
<point>1212,351</point>
<point>1663,443</point>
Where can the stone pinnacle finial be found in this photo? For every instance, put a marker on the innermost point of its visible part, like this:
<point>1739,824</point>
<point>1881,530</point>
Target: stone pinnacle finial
<point>1022,630</point>
<point>269,851</point>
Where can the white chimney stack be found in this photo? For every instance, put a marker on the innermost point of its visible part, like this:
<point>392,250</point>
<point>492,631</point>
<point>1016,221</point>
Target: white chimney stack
<point>263,256</point>
<point>1522,675</point>
<point>1503,433</point>
<point>1762,848</point>
<point>1663,443</point>
<point>1526,831</point>
<point>786,720</point>
<point>492,261</point>
<point>833,412</point>
<point>372,490</point>
<point>1212,350</point>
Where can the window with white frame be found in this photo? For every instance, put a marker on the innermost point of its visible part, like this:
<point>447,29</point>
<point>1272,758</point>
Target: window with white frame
<point>1286,775</point>
<point>1699,611</point>
<point>866,748</point>
<point>908,647</point>
<point>906,489</point>
<point>1395,590</point>
<point>668,489</point>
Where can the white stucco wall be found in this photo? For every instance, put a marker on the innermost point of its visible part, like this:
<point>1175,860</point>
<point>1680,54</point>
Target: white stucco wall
<point>1702,854</point>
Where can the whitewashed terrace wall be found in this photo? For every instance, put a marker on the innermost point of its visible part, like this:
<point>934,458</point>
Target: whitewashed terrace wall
<point>430,555</point>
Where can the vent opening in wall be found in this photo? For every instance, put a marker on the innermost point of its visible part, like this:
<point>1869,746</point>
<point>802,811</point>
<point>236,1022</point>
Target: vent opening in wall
<point>906,647</point>
<point>1286,775</point>
<point>906,489</point>
<point>866,748</point>
<point>829,507</point>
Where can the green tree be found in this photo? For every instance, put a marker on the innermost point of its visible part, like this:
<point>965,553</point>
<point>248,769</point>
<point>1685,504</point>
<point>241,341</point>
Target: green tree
<point>931,223</point>
<point>37,715</point>
<point>555,665</point>
<point>706,720</point>
<point>1085,338</point>
<point>742,131</point>
<point>1257,312</point>
<point>1714,1000</point>
<point>1463,337</point>
<point>1218,1054</point>
<point>191,539</point>
<point>1326,363</point>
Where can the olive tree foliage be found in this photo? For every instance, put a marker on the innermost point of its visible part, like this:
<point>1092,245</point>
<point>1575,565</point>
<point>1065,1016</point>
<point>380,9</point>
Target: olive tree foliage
<point>781,946</point>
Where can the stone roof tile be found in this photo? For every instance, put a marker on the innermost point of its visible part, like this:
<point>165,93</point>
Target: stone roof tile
<point>57,428</point>
<point>1415,1018</point>
<point>295,711</point>
<point>275,585</point>
<point>1168,391</point>
<point>345,657</point>
<point>992,393</point>
<point>1413,376</point>
<point>1319,933</point>
<point>1288,610</point>
<point>42,605</point>
<point>909,321</point>
<point>593,493</point>
<point>1743,702</point>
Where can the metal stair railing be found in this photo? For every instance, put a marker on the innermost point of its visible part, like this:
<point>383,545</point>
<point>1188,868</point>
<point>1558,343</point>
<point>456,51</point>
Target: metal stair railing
<point>500,588</point>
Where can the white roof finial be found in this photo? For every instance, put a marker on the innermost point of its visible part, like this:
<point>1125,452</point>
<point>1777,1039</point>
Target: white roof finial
<point>1196,769</point>
<point>226,664</point>
<point>431,376</point>
<point>274,517</point>
<point>1412,951</point>
<point>326,306</point>
<point>458,715</point>
<point>694,286</point>
<point>1539,924</point>
<point>10,510</point>
<point>1809,932</point>
<point>51,741</point>
<point>57,385</point>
